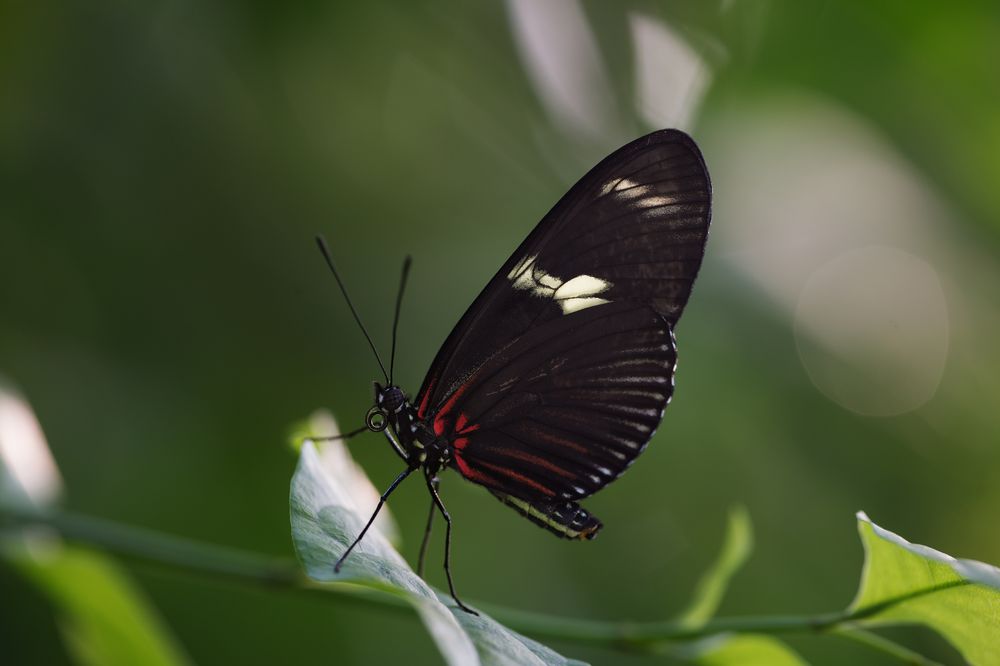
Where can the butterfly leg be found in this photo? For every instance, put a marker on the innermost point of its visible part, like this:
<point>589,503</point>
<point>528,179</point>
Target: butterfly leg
<point>447,544</point>
<point>427,531</point>
<point>381,501</point>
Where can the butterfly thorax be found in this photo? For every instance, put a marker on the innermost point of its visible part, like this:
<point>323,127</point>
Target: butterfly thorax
<point>412,439</point>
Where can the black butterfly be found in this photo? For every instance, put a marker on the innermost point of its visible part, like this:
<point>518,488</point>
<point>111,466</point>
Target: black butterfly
<point>556,377</point>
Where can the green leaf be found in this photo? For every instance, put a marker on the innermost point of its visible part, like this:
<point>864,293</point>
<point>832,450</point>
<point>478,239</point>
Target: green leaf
<point>103,617</point>
<point>907,583</point>
<point>728,649</point>
<point>359,493</point>
<point>739,650</point>
<point>324,521</point>
<point>713,584</point>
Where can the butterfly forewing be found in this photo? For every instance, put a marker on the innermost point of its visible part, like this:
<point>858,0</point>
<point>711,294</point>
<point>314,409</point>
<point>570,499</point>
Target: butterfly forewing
<point>557,375</point>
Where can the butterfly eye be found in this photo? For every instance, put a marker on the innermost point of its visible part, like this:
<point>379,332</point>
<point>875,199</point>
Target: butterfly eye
<point>376,419</point>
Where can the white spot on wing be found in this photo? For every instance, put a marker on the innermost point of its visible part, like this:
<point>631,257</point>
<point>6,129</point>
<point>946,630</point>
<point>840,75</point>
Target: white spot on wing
<point>576,304</point>
<point>653,202</point>
<point>625,188</point>
<point>520,275</point>
<point>611,185</point>
<point>577,293</point>
<point>629,189</point>
<point>549,281</point>
<point>582,285</point>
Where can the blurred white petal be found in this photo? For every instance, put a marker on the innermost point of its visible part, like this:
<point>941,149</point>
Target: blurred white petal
<point>560,54</point>
<point>347,474</point>
<point>671,77</point>
<point>27,470</point>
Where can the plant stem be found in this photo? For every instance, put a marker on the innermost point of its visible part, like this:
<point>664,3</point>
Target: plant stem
<point>638,634</point>
<point>884,645</point>
<point>191,557</point>
<point>214,562</point>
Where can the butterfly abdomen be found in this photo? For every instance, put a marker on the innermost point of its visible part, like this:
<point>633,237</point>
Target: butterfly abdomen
<point>568,520</point>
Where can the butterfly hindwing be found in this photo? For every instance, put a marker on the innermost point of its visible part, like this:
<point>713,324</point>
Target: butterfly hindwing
<point>565,519</point>
<point>562,411</point>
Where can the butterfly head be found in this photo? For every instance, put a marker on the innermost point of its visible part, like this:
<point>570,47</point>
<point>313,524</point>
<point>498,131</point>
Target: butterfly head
<point>390,398</point>
<point>389,401</point>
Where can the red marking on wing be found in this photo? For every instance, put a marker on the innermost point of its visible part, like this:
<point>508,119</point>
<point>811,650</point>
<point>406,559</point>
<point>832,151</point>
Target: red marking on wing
<point>561,441</point>
<point>521,478</point>
<point>468,472</point>
<point>534,460</point>
<point>477,475</point>
<point>422,410</point>
<point>462,427</point>
<point>441,417</point>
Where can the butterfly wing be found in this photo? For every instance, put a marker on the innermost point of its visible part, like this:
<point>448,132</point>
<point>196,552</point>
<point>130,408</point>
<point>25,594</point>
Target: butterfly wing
<point>557,375</point>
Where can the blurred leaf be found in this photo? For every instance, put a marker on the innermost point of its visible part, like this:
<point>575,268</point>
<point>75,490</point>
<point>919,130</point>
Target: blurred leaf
<point>713,584</point>
<point>324,521</point>
<point>724,649</point>
<point>104,619</point>
<point>740,650</point>
<point>359,494</point>
<point>907,583</point>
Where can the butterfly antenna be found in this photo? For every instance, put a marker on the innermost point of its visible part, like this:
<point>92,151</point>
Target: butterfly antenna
<point>395,320</point>
<point>321,242</point>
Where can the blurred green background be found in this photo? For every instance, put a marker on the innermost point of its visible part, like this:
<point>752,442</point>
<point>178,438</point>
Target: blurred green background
<point>164,165</point>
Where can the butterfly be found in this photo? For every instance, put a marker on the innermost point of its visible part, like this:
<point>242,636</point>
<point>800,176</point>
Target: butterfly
<point>556,377</point>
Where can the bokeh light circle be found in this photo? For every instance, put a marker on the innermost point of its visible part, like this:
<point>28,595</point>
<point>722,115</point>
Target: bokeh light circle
<point>871,328</point>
